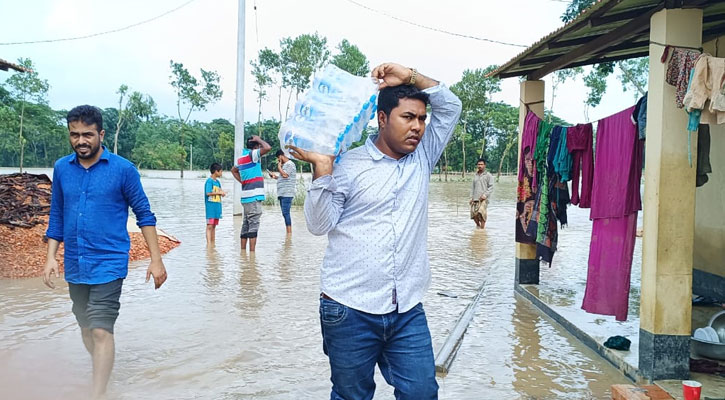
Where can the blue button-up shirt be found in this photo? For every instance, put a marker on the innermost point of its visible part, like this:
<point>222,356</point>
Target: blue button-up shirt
<point>374,210</point>
<point>89,212</point>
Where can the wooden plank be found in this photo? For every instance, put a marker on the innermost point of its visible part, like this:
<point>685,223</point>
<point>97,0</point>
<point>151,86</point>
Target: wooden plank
<point>447,353</point>
<point>713,18</point>
<point>616,36</point>
<point>588,61</point>
<point>572,42</point>
<point>631,392</point>
<point>618,17</point>
<point>623,46</point>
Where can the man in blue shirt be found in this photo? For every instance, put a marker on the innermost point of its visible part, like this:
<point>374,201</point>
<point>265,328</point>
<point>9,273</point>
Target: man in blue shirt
<point>373,207</point>
<point>92,191</point>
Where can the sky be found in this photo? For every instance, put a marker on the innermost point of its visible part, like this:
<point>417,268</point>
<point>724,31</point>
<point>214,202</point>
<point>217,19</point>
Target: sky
<point>203,34</point>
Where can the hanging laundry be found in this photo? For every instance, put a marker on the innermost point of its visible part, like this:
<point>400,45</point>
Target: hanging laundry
<point>540,155</point>
<point>526,191</point>
<point>562,159</point>
<point>558,191</point>
<point>615,203</point>
<point>681,63</point>
<point>528,143</point>
<point>703,155</point>
<point>579,143</point>
<point>542,150</point>
<point>708,78</point>
<point>639,116</point>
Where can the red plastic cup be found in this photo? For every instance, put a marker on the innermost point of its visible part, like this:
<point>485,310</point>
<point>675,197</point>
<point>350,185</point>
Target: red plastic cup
<point>691,390</point>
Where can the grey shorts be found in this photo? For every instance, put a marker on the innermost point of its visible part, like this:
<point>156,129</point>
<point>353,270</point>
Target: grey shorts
<point>252,215</point>
<point>96,306</point>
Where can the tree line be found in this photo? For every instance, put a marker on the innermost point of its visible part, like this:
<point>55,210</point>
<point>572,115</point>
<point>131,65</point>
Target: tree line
<point>32,134</point>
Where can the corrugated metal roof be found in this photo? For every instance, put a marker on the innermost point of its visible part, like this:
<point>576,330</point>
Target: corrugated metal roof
<point>609,30</point>
<point>5,65</point>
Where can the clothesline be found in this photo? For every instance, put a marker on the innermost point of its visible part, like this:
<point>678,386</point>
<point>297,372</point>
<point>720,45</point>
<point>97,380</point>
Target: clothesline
<point>675,46</point>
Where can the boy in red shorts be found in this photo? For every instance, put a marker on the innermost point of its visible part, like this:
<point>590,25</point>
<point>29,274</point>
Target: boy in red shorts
<point>213,194</point>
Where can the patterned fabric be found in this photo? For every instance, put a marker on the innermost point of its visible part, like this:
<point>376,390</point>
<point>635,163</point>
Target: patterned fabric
<point>479,207</point>
<point>528,144</point>
<point>526,192</point>
<point>708,78</point>
<point>681,63</point>
<point>250,169</point>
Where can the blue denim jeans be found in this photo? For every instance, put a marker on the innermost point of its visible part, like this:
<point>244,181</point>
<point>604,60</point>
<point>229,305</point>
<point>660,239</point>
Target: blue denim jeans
<point>399,344</point>
<point>286,203</point>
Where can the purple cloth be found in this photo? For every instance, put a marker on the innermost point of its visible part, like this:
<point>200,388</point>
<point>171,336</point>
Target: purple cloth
<point>615,202</point>
<point>618,171</point>
<point>579,143</point>
<point>610,263</point>
<point>528,144</point>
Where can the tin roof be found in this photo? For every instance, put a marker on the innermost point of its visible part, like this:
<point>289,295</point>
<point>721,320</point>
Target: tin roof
<point>609,30</point>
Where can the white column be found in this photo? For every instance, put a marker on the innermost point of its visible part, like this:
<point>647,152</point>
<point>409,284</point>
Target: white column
<point>239,109</point>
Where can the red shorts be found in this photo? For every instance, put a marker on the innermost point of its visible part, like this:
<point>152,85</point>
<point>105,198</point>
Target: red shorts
<point>212,221</point>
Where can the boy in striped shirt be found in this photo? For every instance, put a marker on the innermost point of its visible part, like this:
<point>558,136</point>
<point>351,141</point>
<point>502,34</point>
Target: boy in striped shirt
<point>248,172</point>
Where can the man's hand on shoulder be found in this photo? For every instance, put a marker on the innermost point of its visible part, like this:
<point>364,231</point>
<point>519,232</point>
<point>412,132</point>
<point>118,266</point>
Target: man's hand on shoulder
<point>158,270</point>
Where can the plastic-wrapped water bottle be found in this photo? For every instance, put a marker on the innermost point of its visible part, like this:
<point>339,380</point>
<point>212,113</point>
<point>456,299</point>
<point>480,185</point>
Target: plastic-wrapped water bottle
<point>332,114</point>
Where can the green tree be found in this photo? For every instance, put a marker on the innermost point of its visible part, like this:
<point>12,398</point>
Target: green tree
<point>299,58</point>
<point>157,145</point>
<point>351,59</point>
<point>575,8</point>
<point>633,72</point>
<point>262,69</point>
<point>26,86</point>
<point>136,106</point>
<point>194,95</point>
<point>474,89</point>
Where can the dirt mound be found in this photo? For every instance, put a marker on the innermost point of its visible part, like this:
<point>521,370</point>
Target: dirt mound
<point>24,209</point>
<point>24,199</point>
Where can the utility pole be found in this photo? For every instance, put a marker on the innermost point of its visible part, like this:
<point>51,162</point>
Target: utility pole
<point>239,110</point>
<point>191,157</point>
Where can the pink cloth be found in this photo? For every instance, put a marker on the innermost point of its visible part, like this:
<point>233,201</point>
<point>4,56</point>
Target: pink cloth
<point>618,170</point>
<point>579,143</point>
<point>610,264</point>
<point>528,143</point>
<point>615,202</point>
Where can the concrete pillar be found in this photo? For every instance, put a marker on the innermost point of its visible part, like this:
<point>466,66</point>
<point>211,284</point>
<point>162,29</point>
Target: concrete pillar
<point>239,105</point>
<point>527,266</point>
<point>669,210</point>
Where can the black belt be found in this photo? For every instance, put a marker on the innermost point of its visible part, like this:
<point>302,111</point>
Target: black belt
<point>326,297</point>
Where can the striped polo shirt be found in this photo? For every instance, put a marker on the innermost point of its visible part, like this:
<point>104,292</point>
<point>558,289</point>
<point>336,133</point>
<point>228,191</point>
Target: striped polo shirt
<point>250,168</point>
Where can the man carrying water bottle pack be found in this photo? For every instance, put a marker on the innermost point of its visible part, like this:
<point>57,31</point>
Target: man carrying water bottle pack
<point>373,205</point>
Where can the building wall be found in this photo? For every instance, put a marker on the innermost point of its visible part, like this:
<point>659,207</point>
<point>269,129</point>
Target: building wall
<point>709,246</point>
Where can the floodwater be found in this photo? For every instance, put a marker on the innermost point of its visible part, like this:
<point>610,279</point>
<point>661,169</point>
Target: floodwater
<point>229,325</point>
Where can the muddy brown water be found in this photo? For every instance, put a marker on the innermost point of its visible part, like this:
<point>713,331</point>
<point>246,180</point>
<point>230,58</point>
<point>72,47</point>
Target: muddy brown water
<point>228,325</point>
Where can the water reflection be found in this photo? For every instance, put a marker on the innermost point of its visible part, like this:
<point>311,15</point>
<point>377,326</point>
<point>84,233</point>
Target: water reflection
<point>526,353</point>
<point>251,292</point>
<point>285,261</point>
<point>478,243</point>
<point>213,275</point>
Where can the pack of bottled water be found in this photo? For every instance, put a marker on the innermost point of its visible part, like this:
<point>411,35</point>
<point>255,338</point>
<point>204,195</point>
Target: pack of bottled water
<point>332,114</point>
